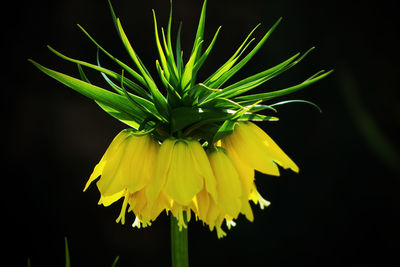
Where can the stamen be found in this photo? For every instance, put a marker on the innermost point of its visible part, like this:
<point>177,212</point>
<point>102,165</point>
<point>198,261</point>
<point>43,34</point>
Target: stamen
<point>121,216</point>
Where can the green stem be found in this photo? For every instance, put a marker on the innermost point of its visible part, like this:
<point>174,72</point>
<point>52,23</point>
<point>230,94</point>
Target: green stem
<point>179,244</point>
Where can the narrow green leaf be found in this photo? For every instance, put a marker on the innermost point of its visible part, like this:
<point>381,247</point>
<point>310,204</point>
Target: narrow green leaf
<point>234,57</point>
<point>197,93</point>
<point>96,93</point>
<point>179,52</point>
<point>137,88</point>
<point>256,117</point>
<point>123,117</point>
<point>159,100</point>
<point>254,80</point>
<point>114,17</point>
<point>270,95</point>
<point>172,95</point>
<point>133,86</point>
<point>161,54</point>
<point>203,58</point>
<point>297,101</point>
<point>67,256</point>
<point>134,74</point>
<point>186,81</point>
<point>181,117</point>
<point>115,262</point>
<point>197,46</point>
<point>226,76</point>
<point>226,129</point>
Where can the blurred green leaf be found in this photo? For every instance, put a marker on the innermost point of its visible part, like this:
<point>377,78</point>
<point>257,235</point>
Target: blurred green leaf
<point>67,256</point>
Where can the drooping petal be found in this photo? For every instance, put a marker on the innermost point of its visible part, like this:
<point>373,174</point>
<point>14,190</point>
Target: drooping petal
<point>202,201</point>
<point>114,146</point>
<point>250,151</point>
<point>183,182</point>
<point>203,167</point>
<point>162,166</point>
<point>108,200</point>
<point>229,187</point>
<point>123,170</point>
<point>269,146</point>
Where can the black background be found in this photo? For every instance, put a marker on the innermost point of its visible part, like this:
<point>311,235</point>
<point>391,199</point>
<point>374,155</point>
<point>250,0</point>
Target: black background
<point>340,210</point>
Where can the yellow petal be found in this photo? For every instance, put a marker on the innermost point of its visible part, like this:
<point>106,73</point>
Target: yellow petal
<point>203,167</point>
<point>273,149</point>
<point>229,187</point>
<point>98,169</point>
<point>183,181</point>
<point>246,172</point>
<point>163,162</point>
<point>251,151</point>
<point>203,203</point>
<point>120,172</point>
<point>108,200</point>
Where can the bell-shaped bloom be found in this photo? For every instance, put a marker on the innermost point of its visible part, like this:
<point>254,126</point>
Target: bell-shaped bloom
<point>125,170</point>
<point>182,170</point>
<point>180,176</point>
<point>253,148</point>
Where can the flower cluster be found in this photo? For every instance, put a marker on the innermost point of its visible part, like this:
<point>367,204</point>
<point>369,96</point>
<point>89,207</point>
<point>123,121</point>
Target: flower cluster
<point>191,146</point>
<point>181,177</point>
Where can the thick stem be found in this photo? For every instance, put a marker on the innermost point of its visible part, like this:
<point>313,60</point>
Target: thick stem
<point>179,244</point>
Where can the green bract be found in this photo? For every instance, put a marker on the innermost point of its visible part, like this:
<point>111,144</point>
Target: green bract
<point>206,110</point>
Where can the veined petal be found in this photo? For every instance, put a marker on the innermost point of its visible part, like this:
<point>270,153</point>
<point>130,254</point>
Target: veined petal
<point>202,203</point>
<point>114,146</point>
<point>229,187</point>
<point>183,182</point>
<point>251,152</point>
<point>163,162</point>
<point>276,152</point>
<point>142,208</point>
<point>120,171</point>
<point>203,167</point>
<point>108,200</point>
<point>246,172</point>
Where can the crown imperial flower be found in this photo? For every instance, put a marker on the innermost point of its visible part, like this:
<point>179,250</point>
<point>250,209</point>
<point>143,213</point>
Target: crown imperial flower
<point>191,147</point>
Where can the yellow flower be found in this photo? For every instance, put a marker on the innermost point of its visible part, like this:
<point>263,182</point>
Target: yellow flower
<point>251,148</point>
<point>181,177</point>
<point>125,169</point>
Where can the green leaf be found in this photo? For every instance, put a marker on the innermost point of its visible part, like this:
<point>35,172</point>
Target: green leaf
<point>173,97</point>
<point>134,74</point>
<point>67,257</point>
<point>253,81</point>
<point>227,75</point>
<point>226,129</point>
<point>202,59</point>
<point>115,262</point>
<point>112,100</point>
<point>123,117</point>
<point>159,100</point>
<point>229,63</point>
<point>197,46</point>
<point>114,17</point>
<point>256,117</point>
<point>161,54</point>
<point>182,117</point>
<point>187,77</point>
<point>270,95</point>
<point>297,101</point>
<point>197,93</point>
<point>137,88</point>
<point>179,52</point>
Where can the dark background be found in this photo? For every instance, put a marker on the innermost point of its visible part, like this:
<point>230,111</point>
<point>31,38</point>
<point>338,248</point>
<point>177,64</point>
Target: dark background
<point>340,210</point>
